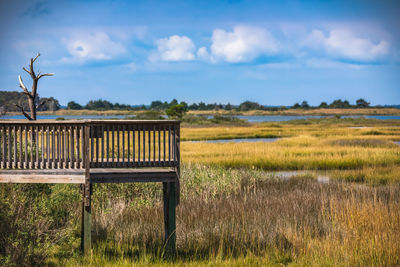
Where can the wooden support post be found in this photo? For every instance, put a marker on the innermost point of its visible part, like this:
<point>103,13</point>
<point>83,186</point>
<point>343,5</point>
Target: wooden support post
<point>87,193</point>
<point>169,192</point>
<point>86,237</point>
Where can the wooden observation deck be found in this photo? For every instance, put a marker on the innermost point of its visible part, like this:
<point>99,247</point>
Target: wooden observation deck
<point>95,151</point>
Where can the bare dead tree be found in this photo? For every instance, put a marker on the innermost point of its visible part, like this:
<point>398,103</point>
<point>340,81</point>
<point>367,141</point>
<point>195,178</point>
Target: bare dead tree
<point>33,93</point>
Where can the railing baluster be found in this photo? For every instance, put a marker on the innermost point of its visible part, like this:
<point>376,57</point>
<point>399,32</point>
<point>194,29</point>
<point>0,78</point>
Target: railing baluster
<point>81,146</point>
<point>63,154</point>
<point>43,148</point>
<point>144,145</point>
<point>159,145</point>
<point>26,147</point>
<point>78,147</point>
<point>15,147</point>
<point>4,146</point>
<point>129,144</point>
<point>37,146</point>
<point>21,160</point>
<point>165,142</point>
<point>53,147</point>
<point>9,162</point>
<point>118,162</point>
<point>91,140</point>
<point>102,146</point>
<point>112,145</point>
<point>32,154</point>
<point>174,146</point>
<point>149,156</point>
<point>72,158</point>
<point>66,147</point>
<point>96,130</point>
<point>154,145</point>
<point>108,144</point>
<point>138,131</point>
<point>49,165</point>
<point>123,145</point>
<point>169,144</point>
<point>133,145</point>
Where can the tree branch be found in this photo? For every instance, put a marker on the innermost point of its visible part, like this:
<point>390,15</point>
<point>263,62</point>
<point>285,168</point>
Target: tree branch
<point>24,113</point>
<point>32,72</point>
<point>26,70</point>
<point>38,55</point>
<point>41,104</point>
<point>44,74</point>
<point>22,85</point>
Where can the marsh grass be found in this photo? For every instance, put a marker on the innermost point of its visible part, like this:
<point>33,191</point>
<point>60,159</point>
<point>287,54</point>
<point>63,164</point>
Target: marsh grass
<point>257,220</point>
<point>318,144</point>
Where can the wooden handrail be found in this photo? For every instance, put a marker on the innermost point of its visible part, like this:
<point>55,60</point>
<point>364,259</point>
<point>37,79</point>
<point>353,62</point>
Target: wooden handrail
<point>111,144</point>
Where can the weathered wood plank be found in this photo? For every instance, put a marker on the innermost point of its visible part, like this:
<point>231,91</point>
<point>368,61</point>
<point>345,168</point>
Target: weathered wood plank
<point>37,147</point>
<point>129,143</point>
<point>53,148</point>
<point>144,146</point>
<point>26,147</point>
<point>138,131</point>
<point>21,159</point>
<point>15,146</point>
<point>107,143</point>
<point>123,145</point>
<point>9,138</point>
<point>133,144</point>
<point>42,179</point>
<point>102,146</point>
<point>112,143</point>
<point>42,147</point>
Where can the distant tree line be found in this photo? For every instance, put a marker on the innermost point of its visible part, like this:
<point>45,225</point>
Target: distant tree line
<point>338,103</point>
<point>9,100</point>
<point>100,105</point>
<point>247,105</point>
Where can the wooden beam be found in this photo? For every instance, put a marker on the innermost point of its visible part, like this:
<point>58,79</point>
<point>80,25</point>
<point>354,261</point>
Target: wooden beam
<point>86,198</point>
<point>86,235</point>
<point>169,195</point>
<point>42,179</point>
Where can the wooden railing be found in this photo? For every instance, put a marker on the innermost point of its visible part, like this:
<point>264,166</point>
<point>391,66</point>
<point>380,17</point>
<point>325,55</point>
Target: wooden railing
<point>112,144</point>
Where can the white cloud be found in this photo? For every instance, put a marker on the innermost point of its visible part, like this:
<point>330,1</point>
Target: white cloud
<point>203,54</point>
<point>176,48</point>
<point>243,44</point>
<point>343,44</point>
<point>97,46</point>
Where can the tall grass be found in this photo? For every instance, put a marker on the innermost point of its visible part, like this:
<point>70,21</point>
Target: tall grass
<point>256,220</point>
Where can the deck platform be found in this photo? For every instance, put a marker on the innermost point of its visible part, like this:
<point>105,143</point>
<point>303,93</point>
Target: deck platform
<point>87,152</point>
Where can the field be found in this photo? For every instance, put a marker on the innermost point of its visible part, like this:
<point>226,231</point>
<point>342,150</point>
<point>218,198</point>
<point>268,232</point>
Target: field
<point>366,152</point>
<point>341,207</point>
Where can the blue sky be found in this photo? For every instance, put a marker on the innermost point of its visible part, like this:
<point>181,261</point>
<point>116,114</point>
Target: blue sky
<point>272,52</point>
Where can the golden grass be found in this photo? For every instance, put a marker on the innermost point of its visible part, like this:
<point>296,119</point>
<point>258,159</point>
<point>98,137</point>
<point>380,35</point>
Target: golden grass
<point>303,147</point>
<point>257,220</point>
